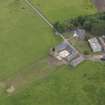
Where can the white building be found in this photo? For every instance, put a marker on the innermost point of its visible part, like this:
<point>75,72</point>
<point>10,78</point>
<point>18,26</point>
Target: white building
<point>95,45</point>
<point>62,54</point>
<point>65,52</point>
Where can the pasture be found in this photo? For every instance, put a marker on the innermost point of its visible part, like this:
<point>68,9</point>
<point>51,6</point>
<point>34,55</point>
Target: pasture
<point>24,37</point>
<point>60,10</point>
<point>24,44</point>
<point>84,85</point>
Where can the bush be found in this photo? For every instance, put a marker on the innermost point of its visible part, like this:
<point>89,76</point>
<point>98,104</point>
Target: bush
<point>87,25</point>
<point>86,52</point>
<point>98,29</point>
<point>94,24</point>
<point>59,27</point>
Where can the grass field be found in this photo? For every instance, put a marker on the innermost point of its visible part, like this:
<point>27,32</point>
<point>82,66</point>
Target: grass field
<point>63,9</point>
<point>24,38</point>
<point>65,87</point>
<point>24,44</point>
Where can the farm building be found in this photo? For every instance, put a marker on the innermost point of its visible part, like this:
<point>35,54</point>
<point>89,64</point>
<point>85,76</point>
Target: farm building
<point>64,52</point>
<point>95,45</point>
<point>79,34</point>
<point>102,41</point>
<point>77,61</point>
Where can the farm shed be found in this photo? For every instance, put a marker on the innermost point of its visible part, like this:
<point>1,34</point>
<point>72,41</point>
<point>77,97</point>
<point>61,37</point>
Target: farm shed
<point>79,34</point>
<point>64,52</point>
<point>102,41</point>
<point>95,45</point>
<point>77,61</point>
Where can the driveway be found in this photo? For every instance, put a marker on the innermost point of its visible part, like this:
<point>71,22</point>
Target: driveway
<point>94,57</point>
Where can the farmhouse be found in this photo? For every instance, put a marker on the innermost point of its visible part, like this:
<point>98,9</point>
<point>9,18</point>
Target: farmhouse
<point>64,52</point>
<point>79,34</point>
<point>95,45</point>
<point>77,61</point>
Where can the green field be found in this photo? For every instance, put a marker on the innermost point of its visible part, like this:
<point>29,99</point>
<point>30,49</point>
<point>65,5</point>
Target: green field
<point>24,38</point>
<point>78,86</point>
<point>24,44</point>
<point>63,9</point>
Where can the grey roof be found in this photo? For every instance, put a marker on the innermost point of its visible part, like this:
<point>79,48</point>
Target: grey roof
<point>70,49</point>
<point>95,45</point>
<point>61,46</point>
<point>77,61</point>
<point>65,46</point>
<point>80,32</point>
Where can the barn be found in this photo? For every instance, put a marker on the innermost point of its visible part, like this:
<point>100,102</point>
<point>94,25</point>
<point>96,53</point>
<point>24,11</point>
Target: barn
<point>95,45</point>
<point>65,52</point>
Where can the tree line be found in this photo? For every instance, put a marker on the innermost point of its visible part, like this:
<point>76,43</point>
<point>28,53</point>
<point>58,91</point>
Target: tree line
<point>94,24</point>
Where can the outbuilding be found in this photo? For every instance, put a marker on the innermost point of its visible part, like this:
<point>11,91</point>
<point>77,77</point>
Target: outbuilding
<point>64,51</point>
<point>102,41</point>
<point>77,60</point>
<point>95,45</point>
<point>79,34</point>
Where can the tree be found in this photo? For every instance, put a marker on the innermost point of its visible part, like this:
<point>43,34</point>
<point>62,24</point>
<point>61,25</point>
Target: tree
<point>86,52</point>
<point>98,29</point>
<point>87,25</point>
<point>101,16</point>
<point>81,20</point>
<point>59,27</point>
<point>74,22</point>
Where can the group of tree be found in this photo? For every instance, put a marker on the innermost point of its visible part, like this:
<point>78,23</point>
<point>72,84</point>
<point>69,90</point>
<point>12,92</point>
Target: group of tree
<point>94,24</point>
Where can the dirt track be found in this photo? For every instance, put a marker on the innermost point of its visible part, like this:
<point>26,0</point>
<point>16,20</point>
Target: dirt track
<point>100,4</point>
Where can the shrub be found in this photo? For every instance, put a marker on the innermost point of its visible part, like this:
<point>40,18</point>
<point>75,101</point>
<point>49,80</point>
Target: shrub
<point>86,52</point>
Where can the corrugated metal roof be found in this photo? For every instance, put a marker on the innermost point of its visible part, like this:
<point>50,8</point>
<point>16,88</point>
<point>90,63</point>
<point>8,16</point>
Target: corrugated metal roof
<point>62,46</point>
<point>77,61</point>
<point>95,45</point>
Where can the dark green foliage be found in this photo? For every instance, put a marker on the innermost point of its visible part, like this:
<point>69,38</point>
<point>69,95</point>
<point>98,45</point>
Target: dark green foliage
<point>98,28</point>
<point>75,22</point>
<point>86,52</point>
<point>87,25</point>
<point>80,20</point>
<point>101,16</point>
<point>59,27</point>
<point>94,24</point>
